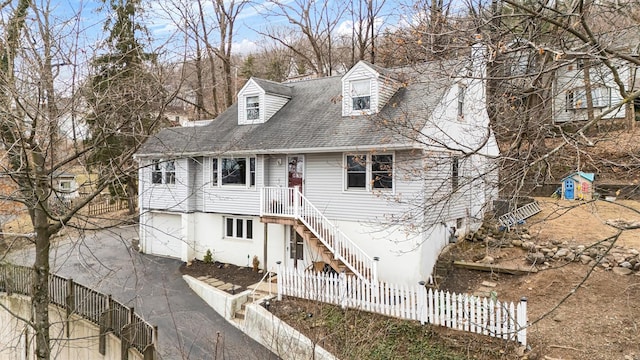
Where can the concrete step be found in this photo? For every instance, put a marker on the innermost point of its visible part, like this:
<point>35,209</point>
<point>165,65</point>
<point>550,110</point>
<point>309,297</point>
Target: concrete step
<point>240,313</point>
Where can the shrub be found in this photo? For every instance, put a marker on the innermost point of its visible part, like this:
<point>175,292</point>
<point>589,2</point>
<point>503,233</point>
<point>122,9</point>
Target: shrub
<point>208,257</point>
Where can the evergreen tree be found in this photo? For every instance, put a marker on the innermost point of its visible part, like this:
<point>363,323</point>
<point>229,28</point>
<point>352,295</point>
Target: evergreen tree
<point>124,97</point>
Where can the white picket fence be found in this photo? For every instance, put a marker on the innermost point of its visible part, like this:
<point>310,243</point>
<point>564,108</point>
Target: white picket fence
<point>457,311</point>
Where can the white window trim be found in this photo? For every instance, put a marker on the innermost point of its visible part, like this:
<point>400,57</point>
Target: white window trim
<point>460,100</point>
<point>261,108</point>
<point>163,172</point>
<point>368,174</point>
<point>248,185</point>
<point>372,97</point>
<point>235,220</point>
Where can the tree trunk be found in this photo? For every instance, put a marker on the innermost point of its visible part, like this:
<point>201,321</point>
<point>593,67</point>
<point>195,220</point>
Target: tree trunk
<point>132,194</point>
<point>40,296</point>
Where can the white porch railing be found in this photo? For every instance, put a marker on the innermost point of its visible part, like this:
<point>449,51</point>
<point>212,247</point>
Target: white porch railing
<point>456,311</point>
<point>289,202</point>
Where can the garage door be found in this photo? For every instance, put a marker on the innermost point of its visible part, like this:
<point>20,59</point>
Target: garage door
<point>166,235</point>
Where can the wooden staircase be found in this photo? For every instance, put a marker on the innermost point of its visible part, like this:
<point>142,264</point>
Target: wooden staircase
<point>326,255</point>
<point>288,206</point>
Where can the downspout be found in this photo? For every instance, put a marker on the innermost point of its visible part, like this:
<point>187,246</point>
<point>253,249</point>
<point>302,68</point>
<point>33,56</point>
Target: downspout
<point>142,242</point>
<point>204,182</point>
<point>266,225</point>
<point>266,232</point>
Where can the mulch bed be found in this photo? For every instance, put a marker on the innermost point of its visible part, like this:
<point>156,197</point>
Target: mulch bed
<point>237,275</point>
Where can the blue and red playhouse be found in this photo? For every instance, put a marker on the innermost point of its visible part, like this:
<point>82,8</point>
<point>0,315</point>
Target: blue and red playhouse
<point>578,186</point>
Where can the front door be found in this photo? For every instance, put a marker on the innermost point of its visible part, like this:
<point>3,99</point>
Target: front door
<point>295,169</point>
<point>296,248</point>
<point>568,189</point>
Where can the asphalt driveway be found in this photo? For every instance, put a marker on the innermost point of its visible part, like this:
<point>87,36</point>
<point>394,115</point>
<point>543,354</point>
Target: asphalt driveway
<point>187,327</point>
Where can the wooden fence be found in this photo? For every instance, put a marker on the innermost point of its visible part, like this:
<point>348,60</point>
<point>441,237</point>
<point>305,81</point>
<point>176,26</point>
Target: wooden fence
<point>98,308</point>
<point>107,205</point>
<point>99,205</point>
<point>457,311</point>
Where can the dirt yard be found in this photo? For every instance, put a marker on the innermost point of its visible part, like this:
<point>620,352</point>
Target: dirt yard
<point>577,310</point>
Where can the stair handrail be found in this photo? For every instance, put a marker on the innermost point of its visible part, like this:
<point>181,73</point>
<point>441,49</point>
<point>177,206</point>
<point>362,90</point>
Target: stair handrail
<point>267,273</point>
<point>290,202</point>
<point>341,238</point>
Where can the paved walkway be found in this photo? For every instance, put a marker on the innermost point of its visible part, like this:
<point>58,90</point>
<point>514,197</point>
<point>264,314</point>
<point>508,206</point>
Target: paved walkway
<point>187,327</point>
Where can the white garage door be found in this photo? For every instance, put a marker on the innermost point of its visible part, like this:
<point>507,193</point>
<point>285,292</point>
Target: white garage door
<point>166,235</point>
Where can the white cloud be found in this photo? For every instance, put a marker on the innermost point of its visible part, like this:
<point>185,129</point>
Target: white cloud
<point>245,47</point>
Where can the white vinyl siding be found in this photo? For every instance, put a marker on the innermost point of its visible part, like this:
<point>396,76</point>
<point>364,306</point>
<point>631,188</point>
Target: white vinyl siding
<point>386,89</point>
<point>382,89</point>
<point>324,188</point>
<point>268,104</point>
<point>276,171</point>
<point>251,89</point>
<point>165,196</point>
<point>272,104</point>
<point>440,204</point>
<point>359,73</point>
<point>233,199</point>
<point>196,182</point>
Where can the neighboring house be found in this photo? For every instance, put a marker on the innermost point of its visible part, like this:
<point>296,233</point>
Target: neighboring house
<point>370,173</point>
<point>570,89</point>
<point>64,185</point>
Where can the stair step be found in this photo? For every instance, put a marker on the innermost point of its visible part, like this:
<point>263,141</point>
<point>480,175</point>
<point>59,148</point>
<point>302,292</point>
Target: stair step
<point>240,314</point>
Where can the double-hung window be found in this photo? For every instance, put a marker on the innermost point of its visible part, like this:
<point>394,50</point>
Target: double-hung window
<point>253,107</point>
<point>369,172</point>
<point>163,172</point>
<point>156,172</point>
<point>361,94</point>
<point>238,228</point>
<point>170,172</point>
<point>455,173</point>
<point>234,171</point>
<point>461,91</point>
<point>577,98</point>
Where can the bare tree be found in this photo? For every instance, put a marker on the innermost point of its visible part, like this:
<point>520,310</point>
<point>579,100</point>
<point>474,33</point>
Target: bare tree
<point>314,24</point>
<point>34,129</point>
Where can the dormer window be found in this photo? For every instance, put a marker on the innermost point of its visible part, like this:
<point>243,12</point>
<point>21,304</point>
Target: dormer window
<point>361,94</point>
<point>253,107</point>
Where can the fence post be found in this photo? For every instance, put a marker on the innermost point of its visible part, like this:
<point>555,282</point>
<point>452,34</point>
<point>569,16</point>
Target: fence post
<point>280,280</point>
<point>375,269</point>
<point>70,303</point>
<point>150,350</point>
<point>422,301</point>
<point>522,321</point>
<point>375,285</point>
<point>104,325</point>
<point>342,283</point>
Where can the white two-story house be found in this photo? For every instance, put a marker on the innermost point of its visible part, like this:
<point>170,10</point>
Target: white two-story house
<point>370,173</point>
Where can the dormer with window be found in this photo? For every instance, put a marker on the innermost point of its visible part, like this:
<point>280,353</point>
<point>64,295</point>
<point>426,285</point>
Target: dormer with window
<point>366,88</point>
<point>259,99</point>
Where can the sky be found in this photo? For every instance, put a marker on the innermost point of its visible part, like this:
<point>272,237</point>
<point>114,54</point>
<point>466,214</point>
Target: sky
<point>81,24</point>
<point>160,18</point>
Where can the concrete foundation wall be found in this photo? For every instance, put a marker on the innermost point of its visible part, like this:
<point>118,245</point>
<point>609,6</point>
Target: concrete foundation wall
<point>17,341</point>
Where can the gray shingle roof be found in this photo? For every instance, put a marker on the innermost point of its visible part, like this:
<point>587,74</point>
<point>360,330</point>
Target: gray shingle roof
<point>312,120</point>
<point>272,87</point>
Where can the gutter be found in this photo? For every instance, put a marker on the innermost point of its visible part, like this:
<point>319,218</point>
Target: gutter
<point>364,148</point>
